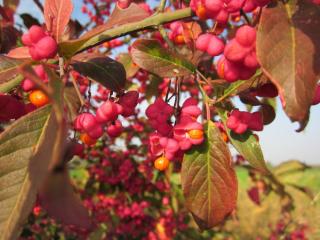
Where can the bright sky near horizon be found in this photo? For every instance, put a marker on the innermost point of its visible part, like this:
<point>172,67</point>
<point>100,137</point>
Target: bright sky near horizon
<point>279,140</point>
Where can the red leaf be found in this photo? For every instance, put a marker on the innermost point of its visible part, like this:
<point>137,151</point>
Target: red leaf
<point>57,14</point>
<point>288,49</point>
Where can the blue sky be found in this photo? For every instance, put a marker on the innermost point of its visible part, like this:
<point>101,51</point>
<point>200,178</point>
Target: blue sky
<point>279,140</point>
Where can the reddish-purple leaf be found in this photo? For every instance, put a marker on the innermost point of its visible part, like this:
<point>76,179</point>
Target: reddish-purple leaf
<point>208,180</point>
<point>57,14</point>
<point>288,48</point>
<point>60,201</point>
<point>103,70</point>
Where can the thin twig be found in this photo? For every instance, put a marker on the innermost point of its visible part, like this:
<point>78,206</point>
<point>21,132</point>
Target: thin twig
<point>203,77</point>
<point>168,91</point>
<point>162,6</point>
<point>69,48</point>
<point>245,17</point>
<point>82,102</point>
<point>39,5</point>
<point>61,67</point>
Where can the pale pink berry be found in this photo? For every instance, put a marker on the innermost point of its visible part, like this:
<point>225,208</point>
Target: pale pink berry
<point>85,122</point>
<point>235,52</point>
<point>41,45</point>
<point>216,46</point>
<point>246,36</point>
<point>108,112</point>
<point>36,33</point>
<point>214,6</point>
<point>46,47</point>
<point>203,42</point>
<point>210,43</point>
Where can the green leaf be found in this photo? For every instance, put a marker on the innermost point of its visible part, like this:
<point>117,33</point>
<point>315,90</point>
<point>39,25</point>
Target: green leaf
<point>26,148</point>
<point>151,56</point>
<point>8,86</point>
<point>289,167</point>
<point>106,71</point>
<point>9,75</point>
<point>247,145</point>
<point>130,67</point>
<point>208,180</point>
<point>288,50</point>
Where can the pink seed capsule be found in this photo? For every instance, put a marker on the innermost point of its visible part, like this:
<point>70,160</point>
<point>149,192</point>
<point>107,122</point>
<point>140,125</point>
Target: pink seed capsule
<point>216,46</point>
<point>85,122</point>
<point>246,36</point>
<point>107,112</point>
<point>114,130</point>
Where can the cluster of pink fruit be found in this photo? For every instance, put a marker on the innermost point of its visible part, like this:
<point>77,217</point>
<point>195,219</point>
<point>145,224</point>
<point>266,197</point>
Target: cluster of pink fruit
<point>92,126</point>
<point>239,60</point>
<point>239,121</point>
<point>220,10</point>
<point>210,43</point>
<point>41,45</point>
<point>170,141</point>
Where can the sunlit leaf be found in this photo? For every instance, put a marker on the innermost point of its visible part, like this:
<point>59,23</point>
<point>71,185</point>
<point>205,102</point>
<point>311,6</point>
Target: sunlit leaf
<point>57,14</point>
<point>289,167</point>
<point>288,49</point>
<point>208,180</point>
<point>247,145</point>
<point>26,148</point>
<point>151,56</point>
<point>130,67</point>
